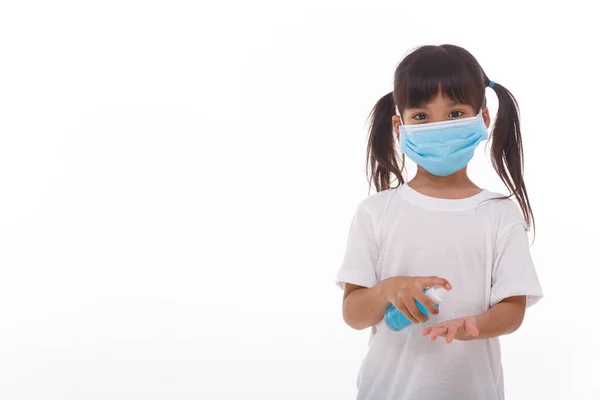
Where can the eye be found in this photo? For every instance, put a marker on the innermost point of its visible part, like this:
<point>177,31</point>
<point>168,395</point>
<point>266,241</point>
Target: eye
<point>419,116</point>
<point>456,114</point>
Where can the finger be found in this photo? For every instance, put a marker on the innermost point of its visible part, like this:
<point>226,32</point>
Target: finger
<point>438,331</point>
<point>426,331</point>
<point>452,331</point>
<point>428,281</point>
<point>442,330</point>
<point>402,308</point>
<point>414,310</point>
<point>427,303</point>
<point>471,327</point>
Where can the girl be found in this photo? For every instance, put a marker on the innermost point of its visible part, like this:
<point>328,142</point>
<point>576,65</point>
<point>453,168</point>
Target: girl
<point>439,229</point>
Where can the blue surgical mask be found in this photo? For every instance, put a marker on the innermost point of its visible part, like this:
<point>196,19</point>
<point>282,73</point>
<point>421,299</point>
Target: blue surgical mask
<point>443,148</point>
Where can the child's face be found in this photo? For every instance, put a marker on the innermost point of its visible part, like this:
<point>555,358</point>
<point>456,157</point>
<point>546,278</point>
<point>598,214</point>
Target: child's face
<point>440,109</point>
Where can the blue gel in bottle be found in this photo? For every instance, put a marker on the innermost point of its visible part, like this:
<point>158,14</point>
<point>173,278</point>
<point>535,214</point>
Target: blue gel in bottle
<point>396,321</point>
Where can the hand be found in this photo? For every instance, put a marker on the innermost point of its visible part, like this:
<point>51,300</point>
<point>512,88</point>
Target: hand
<point>460,329</point>
<point>402,291</point>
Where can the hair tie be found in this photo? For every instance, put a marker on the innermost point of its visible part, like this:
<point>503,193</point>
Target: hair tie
<point>491,84</point>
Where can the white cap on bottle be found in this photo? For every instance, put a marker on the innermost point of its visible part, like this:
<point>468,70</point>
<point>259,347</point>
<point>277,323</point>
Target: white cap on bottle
<point>436,293</point>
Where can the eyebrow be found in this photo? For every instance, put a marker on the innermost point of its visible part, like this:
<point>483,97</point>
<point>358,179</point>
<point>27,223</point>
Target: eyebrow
<point>423,107</point>
<point>456,103</point>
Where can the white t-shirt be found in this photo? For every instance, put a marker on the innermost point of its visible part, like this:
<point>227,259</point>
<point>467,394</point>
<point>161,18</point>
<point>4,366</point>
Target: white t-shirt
<point>480,247</point>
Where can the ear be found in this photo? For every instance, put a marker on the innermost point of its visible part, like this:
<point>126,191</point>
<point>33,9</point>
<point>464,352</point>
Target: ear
<point>396,122</point>
<point>485,113</point>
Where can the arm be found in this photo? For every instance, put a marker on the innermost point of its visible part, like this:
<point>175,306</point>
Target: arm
<point>502,319</point>
<point>363,307</point>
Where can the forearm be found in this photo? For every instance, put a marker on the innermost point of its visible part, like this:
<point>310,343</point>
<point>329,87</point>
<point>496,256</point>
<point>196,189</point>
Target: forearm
<point>502,319</point>
<point>365,307</point>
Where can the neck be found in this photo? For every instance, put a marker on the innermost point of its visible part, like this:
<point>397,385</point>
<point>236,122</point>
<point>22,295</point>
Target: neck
<point>459,179</point>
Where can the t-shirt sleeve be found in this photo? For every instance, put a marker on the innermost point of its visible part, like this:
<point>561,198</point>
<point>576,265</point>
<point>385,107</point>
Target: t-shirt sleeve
<point>360,258</point>
<point>513,271</point>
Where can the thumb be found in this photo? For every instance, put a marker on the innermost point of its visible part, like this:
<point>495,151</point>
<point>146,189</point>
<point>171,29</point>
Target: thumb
<point>471,326</point>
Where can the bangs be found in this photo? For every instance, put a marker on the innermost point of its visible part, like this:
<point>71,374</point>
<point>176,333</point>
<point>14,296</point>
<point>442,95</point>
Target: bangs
<point>433,69</point>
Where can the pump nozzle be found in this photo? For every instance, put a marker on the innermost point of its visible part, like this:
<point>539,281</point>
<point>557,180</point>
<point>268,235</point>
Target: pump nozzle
<point>436,293</point>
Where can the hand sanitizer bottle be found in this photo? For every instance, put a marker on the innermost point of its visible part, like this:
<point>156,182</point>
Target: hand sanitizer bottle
<point>396,321</point>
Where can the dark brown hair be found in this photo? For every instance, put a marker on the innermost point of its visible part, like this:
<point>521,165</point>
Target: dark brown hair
<point>417,81</point>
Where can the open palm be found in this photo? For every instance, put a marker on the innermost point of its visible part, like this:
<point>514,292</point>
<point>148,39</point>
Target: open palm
<point>459,329</point>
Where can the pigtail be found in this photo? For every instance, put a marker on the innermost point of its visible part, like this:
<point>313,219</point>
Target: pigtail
<point>507,149</point>
<point>381,149</point>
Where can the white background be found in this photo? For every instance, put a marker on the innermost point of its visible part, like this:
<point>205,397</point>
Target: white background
<point>177,182</point>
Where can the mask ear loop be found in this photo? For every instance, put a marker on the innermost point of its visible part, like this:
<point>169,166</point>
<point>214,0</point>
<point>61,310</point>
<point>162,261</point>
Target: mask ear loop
<point>401,122</point>
<point>399,115</point>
